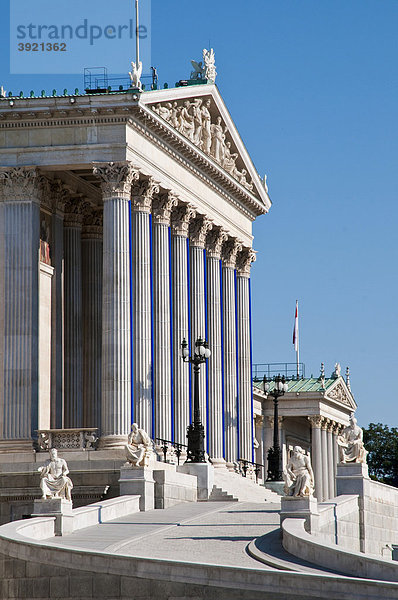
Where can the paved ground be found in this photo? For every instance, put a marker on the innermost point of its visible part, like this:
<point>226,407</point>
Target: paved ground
<point>213,532</point>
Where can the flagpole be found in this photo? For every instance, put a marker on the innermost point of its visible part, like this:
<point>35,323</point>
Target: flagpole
<point>296,340</point>
<point>137,35</point>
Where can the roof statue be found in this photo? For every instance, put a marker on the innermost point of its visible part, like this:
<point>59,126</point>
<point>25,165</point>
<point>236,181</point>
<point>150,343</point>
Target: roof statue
<point>135,74</point>
<point>209,60</point>
<point>206,68</point>
<point>337,371</point>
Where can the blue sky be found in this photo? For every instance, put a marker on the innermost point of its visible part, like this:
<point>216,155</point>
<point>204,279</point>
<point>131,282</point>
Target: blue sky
<point>312,87</point>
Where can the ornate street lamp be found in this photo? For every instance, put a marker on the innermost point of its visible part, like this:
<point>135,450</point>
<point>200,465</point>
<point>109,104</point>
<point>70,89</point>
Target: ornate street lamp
<point>196,431</point>
<point>274,472</point>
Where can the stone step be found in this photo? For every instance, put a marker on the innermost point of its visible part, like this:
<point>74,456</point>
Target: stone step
<point>243,489</point>
<point>219,495</point>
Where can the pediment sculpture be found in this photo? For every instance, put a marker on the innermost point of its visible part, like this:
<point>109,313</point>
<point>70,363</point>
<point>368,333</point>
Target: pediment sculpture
<point>338,393</point>
<point>193,119</point>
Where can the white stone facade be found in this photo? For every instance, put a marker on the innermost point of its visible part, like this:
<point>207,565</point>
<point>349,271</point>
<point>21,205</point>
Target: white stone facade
<point>149,236</point>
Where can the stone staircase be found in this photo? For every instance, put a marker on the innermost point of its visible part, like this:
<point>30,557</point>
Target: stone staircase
<point>232,487</point>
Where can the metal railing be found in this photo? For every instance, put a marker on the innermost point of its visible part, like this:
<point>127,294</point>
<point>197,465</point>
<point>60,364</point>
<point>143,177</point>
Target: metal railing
<point>165,446</point>
<point>289,370</point>
<point>247,465</point>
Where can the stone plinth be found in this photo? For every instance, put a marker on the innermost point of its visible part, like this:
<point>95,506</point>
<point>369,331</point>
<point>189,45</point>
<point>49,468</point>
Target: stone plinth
<point>205,475</point>
<point>60,509</point>
<point>296,507</point>
<point>350,478</point>
<point>275,486</point>
<point>172,487</point>
<point>138,481</point>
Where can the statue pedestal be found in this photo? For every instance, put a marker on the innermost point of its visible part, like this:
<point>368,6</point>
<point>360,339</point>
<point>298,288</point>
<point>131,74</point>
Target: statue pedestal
<point>205,476</point>
<point>275,486</point>
<point>297,507</point>
<point>138,481</point>
<point>351,478</point>
<point>60,509</point>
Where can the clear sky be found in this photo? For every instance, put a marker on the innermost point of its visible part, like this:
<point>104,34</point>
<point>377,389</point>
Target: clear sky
<point>313,88</point>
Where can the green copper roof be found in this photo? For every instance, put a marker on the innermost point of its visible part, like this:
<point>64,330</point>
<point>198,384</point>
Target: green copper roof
<point>310,384</point>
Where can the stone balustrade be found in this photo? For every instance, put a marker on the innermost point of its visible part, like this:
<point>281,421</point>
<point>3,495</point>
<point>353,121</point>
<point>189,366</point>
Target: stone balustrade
<point>68,439</point>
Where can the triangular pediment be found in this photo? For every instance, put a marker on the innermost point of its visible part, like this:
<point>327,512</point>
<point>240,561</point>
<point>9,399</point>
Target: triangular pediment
<point>339,392</point>
<point>198,113</point>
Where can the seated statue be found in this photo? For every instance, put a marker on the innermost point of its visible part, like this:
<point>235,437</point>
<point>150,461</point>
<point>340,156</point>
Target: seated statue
<point>139,449</point>
<point>350,443</point>
<point>298,475</point>
<point>54,480</point>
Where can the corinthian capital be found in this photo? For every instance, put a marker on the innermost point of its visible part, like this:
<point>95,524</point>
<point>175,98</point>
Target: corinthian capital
<point>22,184</point>
<point>181,217</point>
<point>116,178</point>
<point>59,196</point>
<point>162,206</point>
<point>214,241</point>
<point>198,231</point>
<point>230,252</point>
<point>74,210</point>
<point>244,261</point>
<point>316,421</point>
<point>143,192</point>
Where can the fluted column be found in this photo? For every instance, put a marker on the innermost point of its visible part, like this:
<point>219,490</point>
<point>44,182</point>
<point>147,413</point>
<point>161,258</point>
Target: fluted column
<point>330,459</point>
<point>324,443</point>
<point>161,213</point>
<point>215,238</point>
<point>336,433</point>
<point>20,192</point>
<point>231,399</point>
<point>245,258</point>
<point>197,236</point>
<point>92,317</point>
<point>316,454</point>
<point>143,193</point>
<point>116,179</point>
<point>59,196</point>
<point>73,400</point>
<point>181,218</point>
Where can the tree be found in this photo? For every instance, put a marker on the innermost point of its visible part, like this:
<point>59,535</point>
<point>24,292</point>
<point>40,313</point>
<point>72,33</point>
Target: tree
<point>382,444</point>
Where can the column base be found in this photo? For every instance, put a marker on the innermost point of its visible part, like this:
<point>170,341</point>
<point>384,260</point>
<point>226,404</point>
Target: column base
<point>21,446</point>
<point>205,476</point>
<point>219,463</point>
<point>112,441</point>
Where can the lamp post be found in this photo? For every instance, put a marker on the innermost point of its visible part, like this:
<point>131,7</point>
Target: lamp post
<point>196,431</point>
<point>274,472</point>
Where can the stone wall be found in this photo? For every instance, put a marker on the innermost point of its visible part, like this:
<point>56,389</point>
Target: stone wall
<point>339,522</point>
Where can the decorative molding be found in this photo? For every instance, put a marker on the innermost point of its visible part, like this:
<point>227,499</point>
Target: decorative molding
<point>142,193</point>
<point>339,394</point>
<point>230,252</point>
<point>181,217</point>
<point>214,242</point>
<point>116,178</point>
<point>244,260</point>
<point>198,230</point>
<point>162,206</point>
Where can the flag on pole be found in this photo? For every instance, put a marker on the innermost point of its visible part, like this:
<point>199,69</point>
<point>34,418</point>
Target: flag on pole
<point>295,330</point>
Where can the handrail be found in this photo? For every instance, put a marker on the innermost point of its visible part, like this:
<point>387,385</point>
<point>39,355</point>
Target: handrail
<point>245,467</point>
<point>178,448</point>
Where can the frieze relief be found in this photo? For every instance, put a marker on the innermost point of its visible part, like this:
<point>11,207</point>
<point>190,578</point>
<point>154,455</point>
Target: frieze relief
<point>338,393</point>
<point>193,119</point>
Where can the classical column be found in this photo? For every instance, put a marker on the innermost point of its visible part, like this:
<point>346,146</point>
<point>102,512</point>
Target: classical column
<point>20,191</point>
<point>336,432</point>
<point>215,238</point>
<point>197,236</point>
<point>181,217</point>
<point>60,197</point>
<point>331,470</point>
<point>161,212</point>
<point>231,397</point>
<point>116,179</point>
<point>244,260</point>
<point>316,454</point>
<point>324,444</point>
<point>92,316</point>
<point>73,373</point>
<point>142,193</point>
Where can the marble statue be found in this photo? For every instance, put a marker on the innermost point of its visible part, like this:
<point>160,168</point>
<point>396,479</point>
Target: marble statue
<point>54,480</point>
<point>209,61</point>
<point>187,125</point>
<point>206,127</point>
<point>139,449</point>
<point>217,149</point>
<point>135,74</point>
<point>298,475</point>
<point>350,443</point>
<point>337,370</point>
<point>197,121</point>
<point>229,159</point>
